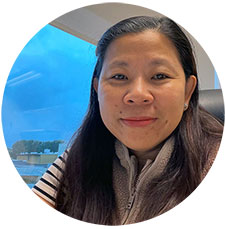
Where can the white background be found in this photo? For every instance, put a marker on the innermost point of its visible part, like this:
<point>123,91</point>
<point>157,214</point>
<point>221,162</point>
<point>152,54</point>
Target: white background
<point>20,21</point>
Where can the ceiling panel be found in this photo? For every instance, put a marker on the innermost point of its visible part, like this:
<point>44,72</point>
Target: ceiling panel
<point>90,22</point>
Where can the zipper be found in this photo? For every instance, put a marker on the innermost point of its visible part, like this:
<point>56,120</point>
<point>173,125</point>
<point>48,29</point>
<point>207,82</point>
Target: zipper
<point>129,206</point>
<point>132,196</point>
<point>131,201</point>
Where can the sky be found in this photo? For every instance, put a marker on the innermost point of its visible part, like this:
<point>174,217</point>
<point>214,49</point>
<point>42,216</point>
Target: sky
<point>47,91</point>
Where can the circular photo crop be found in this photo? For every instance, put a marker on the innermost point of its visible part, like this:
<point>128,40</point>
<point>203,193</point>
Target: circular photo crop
<point>113,114</point>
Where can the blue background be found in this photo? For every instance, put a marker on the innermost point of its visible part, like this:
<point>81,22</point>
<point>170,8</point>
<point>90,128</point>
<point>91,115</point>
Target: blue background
<point>48,88</point>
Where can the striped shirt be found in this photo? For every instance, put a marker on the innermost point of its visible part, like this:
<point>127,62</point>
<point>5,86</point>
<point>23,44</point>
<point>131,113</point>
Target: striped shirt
<point>47,186</point>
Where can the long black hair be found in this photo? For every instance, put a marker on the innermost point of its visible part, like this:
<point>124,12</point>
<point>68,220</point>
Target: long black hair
<point>86,189</point>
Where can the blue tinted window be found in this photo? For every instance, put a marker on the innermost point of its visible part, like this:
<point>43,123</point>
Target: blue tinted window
<point>47,93</point>
<point>216,81</point>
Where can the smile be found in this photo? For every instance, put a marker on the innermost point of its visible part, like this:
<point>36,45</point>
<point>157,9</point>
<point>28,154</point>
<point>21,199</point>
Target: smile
<point>138,121</point>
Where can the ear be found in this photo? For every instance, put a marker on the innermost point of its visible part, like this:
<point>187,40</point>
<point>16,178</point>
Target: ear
<point>95,84</point>
<point>190,87</point>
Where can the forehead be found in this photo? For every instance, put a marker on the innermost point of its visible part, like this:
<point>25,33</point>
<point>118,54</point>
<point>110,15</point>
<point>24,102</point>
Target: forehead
<point>148,44</point>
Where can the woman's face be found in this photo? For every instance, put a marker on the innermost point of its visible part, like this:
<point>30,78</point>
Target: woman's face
<point>142,89</point>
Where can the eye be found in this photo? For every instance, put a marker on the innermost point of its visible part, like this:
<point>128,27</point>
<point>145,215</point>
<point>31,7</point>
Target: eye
<point>119,77</point>
<point>160,76</point>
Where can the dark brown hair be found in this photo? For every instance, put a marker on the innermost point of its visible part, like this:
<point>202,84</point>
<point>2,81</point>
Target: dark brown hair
<point>86,190</point>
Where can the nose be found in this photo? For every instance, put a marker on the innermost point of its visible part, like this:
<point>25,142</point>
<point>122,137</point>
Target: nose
<point>139,93</point>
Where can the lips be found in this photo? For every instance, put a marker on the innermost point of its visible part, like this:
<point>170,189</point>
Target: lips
<point>138,121</point>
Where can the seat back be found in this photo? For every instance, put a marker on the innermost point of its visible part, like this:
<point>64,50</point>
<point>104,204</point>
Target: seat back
<point>212,101</point>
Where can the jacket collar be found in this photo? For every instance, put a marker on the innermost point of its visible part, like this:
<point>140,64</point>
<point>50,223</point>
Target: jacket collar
<point>130,162</point>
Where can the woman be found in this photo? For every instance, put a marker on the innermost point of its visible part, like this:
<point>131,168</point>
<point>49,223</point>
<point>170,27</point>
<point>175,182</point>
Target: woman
<point>145,144</point>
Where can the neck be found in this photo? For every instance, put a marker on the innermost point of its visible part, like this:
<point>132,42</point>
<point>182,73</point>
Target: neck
<point>151,154</point>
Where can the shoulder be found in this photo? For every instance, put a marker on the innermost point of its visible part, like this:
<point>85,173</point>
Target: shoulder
<point>46,187</point>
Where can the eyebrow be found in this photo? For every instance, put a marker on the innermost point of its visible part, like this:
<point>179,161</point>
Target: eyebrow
<point>119,63</point>
<point>161,61</point>
<point>153,62</point>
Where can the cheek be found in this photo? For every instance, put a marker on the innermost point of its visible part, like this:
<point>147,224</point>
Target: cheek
<point>171,98</point>
<point>171,106</point>
<point>109,105</point>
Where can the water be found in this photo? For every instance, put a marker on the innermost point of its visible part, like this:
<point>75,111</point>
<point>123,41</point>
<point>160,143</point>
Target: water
<point>30,173</point>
